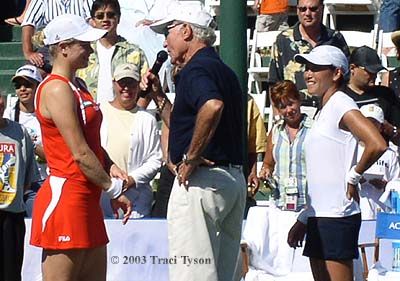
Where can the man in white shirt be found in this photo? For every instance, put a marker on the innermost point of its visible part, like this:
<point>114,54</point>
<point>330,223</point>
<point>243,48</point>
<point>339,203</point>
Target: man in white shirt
<point>382,171</point>
<point>109,52</point>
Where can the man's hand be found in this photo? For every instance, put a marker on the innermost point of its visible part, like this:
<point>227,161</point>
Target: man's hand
<point>296,235</point>
<point>264,173</point>
<point>35,58</point>
<point>150,79</point>
<point>172,167</point>
<point>122,202</point>
<point>253,184</point>
<point>186,169</point>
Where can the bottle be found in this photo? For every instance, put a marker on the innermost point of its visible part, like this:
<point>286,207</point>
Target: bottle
<point>394,198</point>
<point>396,256</point>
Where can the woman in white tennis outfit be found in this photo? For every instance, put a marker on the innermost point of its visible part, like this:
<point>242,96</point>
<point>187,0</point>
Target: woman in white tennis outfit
<point>332,218</point>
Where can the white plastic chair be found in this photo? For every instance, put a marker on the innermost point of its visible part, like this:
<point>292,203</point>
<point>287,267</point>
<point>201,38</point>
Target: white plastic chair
<point>343,7</point>
<point>358,38</point>
<point>258,72</point>
<point>218,39</point>
<point>11,100</point>
<point>386,49</point>
<point>266,112</point>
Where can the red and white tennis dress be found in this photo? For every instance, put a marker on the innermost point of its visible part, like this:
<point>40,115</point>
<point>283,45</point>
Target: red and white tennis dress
<point>66,213</point>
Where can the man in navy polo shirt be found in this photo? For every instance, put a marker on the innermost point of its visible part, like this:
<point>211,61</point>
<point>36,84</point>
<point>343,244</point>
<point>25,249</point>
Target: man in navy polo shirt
<point>205,209</point>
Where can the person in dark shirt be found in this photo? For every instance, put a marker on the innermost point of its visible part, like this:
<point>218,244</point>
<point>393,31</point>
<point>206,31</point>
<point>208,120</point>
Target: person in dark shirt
<point>305,35</point>
<point>205,209</point>
<point>364,66</point>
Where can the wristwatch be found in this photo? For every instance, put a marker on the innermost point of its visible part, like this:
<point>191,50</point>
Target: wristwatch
<point>186,160</point>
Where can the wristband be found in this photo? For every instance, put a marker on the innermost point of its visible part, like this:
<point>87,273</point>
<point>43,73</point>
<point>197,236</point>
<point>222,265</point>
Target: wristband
<point>352,177</point>
<point>115,190</point>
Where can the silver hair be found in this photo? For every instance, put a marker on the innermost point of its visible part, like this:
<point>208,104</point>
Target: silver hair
<point>205,34</point>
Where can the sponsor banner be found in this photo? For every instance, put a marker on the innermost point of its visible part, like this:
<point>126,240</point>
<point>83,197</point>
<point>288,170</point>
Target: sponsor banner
<point>388,225</point>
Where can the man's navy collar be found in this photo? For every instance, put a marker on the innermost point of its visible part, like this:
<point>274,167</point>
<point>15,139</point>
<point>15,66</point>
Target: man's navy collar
<point>201,53</point>
<point>204,52</point>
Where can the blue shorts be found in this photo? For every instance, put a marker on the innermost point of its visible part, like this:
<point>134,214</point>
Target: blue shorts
<point>332,238</point>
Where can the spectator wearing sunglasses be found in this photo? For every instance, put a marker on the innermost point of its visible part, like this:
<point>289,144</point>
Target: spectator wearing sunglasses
<point>365,65</point>
<point>109,52</point>
<point>301,38</point>
<point>25,81</point>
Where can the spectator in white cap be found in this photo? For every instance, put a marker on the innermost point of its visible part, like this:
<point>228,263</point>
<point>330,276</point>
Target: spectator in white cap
<point>332,172</point>
<point>205,209</point>
<point>67,214</point>
<point>136,149</point>
<point>17,172</point>
<point>26,81</point>
<point>380,173</point>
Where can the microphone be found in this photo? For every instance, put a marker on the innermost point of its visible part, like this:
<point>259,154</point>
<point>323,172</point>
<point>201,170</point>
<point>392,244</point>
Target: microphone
<point>161,58</point>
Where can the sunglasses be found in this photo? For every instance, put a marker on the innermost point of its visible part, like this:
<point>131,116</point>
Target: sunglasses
<point>26,84</point>
<point>169,27</point>
<point>302,9</point>
<point>366,70</point>
<point>317,68</point>
<point>109,15</point>
<point>127,82</point>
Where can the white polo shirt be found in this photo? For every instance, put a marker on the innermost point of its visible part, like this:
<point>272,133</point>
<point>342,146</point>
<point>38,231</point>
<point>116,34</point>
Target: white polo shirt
<point>330,153</point>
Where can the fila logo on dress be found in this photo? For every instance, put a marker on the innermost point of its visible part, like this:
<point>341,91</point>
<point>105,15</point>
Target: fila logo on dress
<point>64,238</point>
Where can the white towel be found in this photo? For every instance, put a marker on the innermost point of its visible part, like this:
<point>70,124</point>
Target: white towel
<point>385,197</point>
<point>376,270</point>
<point>266,234</point>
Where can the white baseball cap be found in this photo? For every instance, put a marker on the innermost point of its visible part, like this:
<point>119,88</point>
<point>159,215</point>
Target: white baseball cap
<point>28,71</point>
<point>68,26</point>
<point>193,14</point>
<point>126,70</point>
<point>325,55</point>
<point>373,111</point>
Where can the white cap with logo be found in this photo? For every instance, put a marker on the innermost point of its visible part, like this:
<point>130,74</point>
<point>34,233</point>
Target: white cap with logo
<point>68,26</point>
<point>373,111</point>
<point>28,71</point>
<point>126,70</point>
<point>325,55</point>
<point>193,14</point>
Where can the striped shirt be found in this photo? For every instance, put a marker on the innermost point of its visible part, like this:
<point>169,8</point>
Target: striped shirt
<point>290,160</point>
<point>41,12</point>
